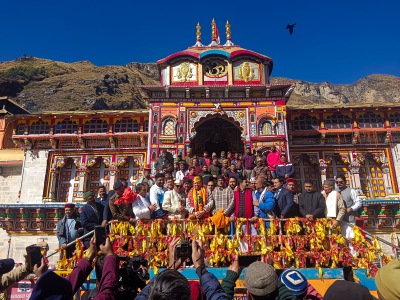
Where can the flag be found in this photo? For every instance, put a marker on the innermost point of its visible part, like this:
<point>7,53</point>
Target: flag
<point>217,39</point>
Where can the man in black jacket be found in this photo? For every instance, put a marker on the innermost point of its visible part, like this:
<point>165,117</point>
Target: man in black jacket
<point>311,204</point>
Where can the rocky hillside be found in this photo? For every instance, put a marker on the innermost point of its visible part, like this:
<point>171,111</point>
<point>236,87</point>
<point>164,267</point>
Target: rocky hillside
<point>44,85</point>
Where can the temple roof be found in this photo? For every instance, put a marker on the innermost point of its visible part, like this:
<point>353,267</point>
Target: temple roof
<point>227,51</point>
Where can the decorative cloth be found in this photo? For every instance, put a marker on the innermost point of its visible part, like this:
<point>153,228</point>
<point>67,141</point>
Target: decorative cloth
<point>219,219</point>
<point>127,197</point>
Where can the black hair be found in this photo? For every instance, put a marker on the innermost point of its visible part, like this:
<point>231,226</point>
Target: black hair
<point>266,182</point>
<point>98,266</point>
<point>139,187</point>
<point>158,175</point>
<point>308,181</point>
<point>237,181</point>
<point>187,180</point>
<point>170,284</point>
<point>341,176</point>
<point>281,180</point>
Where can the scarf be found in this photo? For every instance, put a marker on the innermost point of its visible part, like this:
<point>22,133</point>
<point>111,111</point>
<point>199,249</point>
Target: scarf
<point>198,199</point>
<point>248,202</point>
<point>127,197</point>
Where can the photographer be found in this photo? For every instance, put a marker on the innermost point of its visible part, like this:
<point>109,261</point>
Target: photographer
<point>132,276</point>
<point>170,284</point>
<point>9,275</point>
<point>52,286</point>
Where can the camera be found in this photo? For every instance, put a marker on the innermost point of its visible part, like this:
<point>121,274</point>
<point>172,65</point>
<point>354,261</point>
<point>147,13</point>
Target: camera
<point>132,277</point>
<point>183,250</point>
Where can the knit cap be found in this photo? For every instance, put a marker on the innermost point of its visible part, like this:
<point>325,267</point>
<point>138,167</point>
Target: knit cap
<point>295,282</point>
<point>387,280</point>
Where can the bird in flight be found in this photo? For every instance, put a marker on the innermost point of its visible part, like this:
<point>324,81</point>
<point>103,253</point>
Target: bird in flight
<point>290,28</point>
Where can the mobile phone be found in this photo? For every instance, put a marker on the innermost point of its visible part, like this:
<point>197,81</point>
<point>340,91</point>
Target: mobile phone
<point>100,234</point>
<point>34,255</point>
<point>247,260</point>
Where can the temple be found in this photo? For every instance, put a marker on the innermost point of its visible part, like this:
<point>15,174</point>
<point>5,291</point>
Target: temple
<point>215,97</point>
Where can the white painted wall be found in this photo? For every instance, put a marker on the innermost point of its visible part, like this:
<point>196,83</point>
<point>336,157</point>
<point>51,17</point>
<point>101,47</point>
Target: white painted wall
<point>33,176</point>
<point>10,182</point>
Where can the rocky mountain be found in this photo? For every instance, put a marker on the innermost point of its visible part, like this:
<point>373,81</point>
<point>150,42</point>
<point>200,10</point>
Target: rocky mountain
<point>45,85</point>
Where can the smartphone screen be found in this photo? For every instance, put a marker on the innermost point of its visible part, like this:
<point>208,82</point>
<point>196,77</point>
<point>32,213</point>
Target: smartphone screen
<point>100,234</point>
<point>35,255</point>
<point>246,260</point>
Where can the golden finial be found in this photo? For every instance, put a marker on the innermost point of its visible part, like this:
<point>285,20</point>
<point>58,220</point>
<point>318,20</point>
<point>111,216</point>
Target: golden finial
<point>213,30</point>
<point>198,32</point>
<point>228,30</point>
<point>198,36</point>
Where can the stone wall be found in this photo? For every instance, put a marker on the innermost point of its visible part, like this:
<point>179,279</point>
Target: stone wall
<point>10,183</point>
<point>33,176</point>
<point>18,243</point>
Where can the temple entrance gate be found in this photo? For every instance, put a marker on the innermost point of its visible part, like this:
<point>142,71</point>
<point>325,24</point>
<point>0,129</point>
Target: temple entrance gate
<point>216,134</point>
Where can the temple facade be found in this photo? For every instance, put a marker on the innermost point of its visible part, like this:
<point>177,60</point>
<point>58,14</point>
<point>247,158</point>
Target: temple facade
<point>215,97</point>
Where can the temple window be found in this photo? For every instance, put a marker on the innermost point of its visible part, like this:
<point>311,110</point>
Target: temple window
<point>169,127</point>
<point>39,127</point>
<point>126,125</point>
<point>394,120</point>
<point>95,126</point>
<point>66,127</point>
<point>20,129</point>
<point>370,120</point>
<point>266,127</point>
<point>146,126</point>
<point>337,121</point>
<point>305,122</point>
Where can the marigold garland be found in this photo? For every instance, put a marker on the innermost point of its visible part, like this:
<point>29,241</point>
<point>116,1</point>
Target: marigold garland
<point>302,243</point>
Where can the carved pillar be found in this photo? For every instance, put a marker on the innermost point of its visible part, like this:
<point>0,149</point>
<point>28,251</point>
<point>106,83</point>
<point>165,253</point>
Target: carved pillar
<point>83,173</point>
<point>52,197</point>
<point>114,175</point>
<point>354,168</point>
<point>323,164</point>
<point>386,178</point>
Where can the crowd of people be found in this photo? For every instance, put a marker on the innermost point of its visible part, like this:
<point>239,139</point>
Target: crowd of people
<point>234,186</point>
<point>262,281</point>
<point>249,186</point>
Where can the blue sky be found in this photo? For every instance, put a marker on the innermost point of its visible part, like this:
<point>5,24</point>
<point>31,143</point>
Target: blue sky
<point>336,41</point>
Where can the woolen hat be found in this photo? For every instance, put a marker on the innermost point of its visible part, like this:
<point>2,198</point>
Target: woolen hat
<point>261,279</point>
<point>69,205</point>
<point>87,194</point>
<point>295,282</point>
<point>6,265</point>
<point>52,287</point>
<point>387,280</point>
<point>342,289</point>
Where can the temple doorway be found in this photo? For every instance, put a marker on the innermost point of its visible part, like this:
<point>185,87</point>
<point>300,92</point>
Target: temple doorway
<point>216,134</point>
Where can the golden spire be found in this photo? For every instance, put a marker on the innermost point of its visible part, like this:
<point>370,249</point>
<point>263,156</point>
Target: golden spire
<point>228,35</point>
<point>198,32</point>
<point>213,30</point>
<point>198,36</point>
<point>228,30</point>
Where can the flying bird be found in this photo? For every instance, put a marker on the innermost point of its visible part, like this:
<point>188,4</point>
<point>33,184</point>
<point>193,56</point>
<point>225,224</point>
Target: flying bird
<point>290,28</point>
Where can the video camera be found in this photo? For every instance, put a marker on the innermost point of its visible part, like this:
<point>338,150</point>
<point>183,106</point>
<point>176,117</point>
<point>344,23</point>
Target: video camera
<point>132,277</point>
